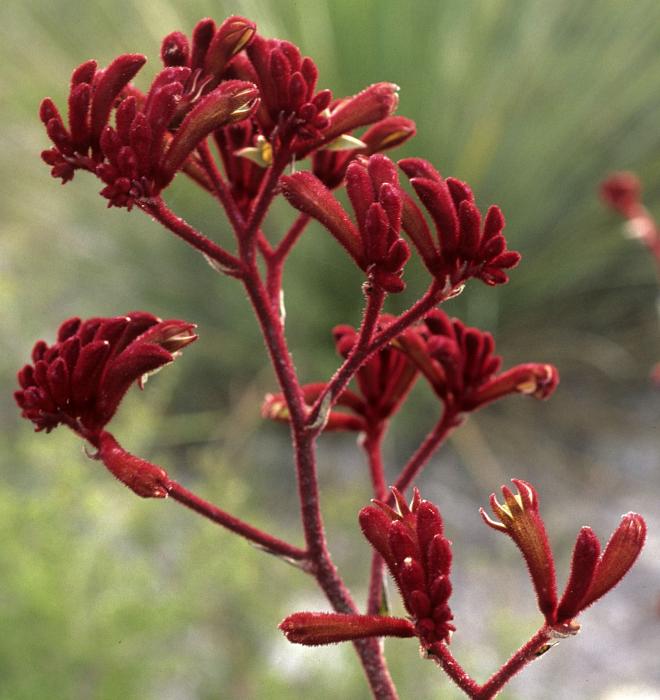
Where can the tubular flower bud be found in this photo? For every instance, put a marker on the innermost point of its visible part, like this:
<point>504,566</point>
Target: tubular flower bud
<point>287,83</point>
<point>461,365</point>
<point>373,242</point>
<point>411,541</point>
<point>243,174</point>
<point>592,574</point>
<point>142,477</point>
<point>80,380</point>
<point>373,104</point>
<point>315,628</point>
<point>463,248</point>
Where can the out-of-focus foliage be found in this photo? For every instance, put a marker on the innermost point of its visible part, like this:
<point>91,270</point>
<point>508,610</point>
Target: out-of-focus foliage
<point>531,102</point>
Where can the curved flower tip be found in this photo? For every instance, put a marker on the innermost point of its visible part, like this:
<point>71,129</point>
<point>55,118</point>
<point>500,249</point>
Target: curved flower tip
<point>143,478</point>
<point>315,628</point>
<point>372,104</point>
<point>530,379</point>
<point>592,574</point>
<point>230,102</point>
<point>520,519</point>
<point>80,380</point>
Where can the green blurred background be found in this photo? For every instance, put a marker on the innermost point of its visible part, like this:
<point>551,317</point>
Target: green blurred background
<point>104,596</point>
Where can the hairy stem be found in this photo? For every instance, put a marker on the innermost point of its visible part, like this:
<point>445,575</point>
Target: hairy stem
<point>375,299</point>
<point>450,420</point>
<point>304,442</point>
<point>262,539</point>
<point>157,208</point>
<point>527,653</point>
<point>362,352</point>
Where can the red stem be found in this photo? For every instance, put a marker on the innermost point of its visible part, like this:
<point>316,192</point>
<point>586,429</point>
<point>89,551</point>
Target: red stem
<point>157,208</point>
<point>362,352</point>
<point>369,650</point>
<point>263,200</point>
<point>275,257</point>
<point>372,447</point>
<point>271,544</point>
<point>221,191</point>
<point>358,354</point>
<point>527,653</point>
<point>290,238</point>
<point>318,558</point>
<point>450,420</point>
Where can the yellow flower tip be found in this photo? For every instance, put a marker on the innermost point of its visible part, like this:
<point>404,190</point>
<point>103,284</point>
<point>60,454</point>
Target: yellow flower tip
<point>244,39</point>
<point>261,154</point>
<point>394,137</point>
<point>345,142</point>
<point>490,522</point>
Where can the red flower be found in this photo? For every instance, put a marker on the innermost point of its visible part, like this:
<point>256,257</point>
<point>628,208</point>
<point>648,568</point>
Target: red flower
<point>461,366</point>
<point>592,574</point>
<point>464,247</point>
<point>374,243</point>
<point>287,84</point>
<point>139,156</point>
<point>80,380</point>
<point>623,192</point>
<point>418,555</point>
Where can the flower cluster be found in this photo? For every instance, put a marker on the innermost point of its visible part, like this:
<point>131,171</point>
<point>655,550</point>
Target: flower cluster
<point>592,574</point>
<point>287,84</point>
<point>464,247</point>
<point>373,241</point>
<point>459,363</point>
<point>224,75</point>
<point>80,380</point>
<point>461,366</point>
<point>411,541</point>
<point>138,157</point>
<point>418,555</point>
